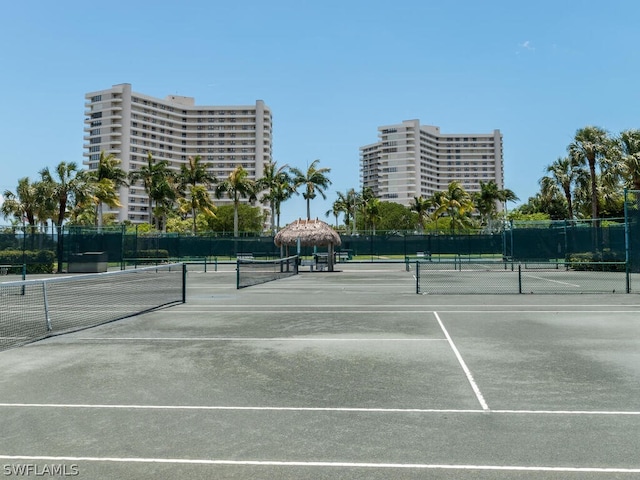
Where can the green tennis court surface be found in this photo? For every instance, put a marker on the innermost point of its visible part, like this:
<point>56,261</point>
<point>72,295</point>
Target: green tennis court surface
<point>347,375</point>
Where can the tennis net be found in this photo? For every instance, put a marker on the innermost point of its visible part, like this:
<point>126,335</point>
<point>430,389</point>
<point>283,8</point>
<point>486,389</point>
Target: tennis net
<point>497,277</point>
<point>253,272</point>
<point>35,309</point>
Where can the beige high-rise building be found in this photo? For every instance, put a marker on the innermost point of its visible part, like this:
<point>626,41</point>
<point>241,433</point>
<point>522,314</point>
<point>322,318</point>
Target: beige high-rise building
<point>411,160</point>
<point>130,125</point>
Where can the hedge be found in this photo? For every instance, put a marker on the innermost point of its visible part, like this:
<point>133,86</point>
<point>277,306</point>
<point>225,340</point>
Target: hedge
<point>38,261</point>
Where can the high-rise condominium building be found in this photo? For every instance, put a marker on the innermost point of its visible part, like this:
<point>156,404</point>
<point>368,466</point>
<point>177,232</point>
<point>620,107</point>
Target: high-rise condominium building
<point>412,160</point>
<point>130,125</point>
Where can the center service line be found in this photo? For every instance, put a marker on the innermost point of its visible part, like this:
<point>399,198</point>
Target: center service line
<point>466,370</point>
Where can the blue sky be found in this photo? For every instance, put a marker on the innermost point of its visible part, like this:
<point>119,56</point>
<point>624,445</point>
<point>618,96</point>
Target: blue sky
<point>331,71</point>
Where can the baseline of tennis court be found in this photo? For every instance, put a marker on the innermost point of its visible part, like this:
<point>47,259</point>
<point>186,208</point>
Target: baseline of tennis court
<point>332,376</point>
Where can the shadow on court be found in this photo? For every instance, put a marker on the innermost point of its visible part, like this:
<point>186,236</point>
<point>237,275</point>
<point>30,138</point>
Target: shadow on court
<point>346,375</point>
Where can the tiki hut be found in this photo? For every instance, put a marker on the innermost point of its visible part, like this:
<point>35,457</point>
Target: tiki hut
<point>309,233</point>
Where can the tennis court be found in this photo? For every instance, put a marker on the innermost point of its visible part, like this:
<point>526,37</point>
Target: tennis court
<point>346,375</point>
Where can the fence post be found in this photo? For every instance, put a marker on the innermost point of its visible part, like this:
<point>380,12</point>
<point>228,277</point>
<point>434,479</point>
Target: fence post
<point>627,267</point>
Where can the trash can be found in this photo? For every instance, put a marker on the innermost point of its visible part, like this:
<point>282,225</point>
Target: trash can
<point>87,262</point>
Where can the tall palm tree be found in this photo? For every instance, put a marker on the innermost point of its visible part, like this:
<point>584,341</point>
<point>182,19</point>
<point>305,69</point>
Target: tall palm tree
<point>438,204</point>
<point>23,204</point>
<point>341,205</point>
<point>156,181</point>
<point>458,205</point>
<point>63,189</point>
<point>353,200</point>
<point>314,180</point>
<point>198,200</point>
<point>107,180</point>
<point>488,198</point>
<point>590,147</point>
<point>421,206</point>
<point>192,174</point>
<point>195,172</point>
<point>165,194</point>
<point>563,175</point>
<point>629,143</point>
<point>371,210</point>
<point>237,185</point>
<point>278,187</point>
<point>335,210</point>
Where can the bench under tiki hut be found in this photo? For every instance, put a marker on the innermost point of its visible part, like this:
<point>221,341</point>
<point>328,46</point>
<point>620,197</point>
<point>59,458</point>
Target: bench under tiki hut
<point>309,233</point>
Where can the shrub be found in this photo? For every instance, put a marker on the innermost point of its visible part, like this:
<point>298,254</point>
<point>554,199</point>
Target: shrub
<point>38,261</point>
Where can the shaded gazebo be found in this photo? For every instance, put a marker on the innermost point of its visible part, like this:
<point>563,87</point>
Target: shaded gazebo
<point>309,233</point>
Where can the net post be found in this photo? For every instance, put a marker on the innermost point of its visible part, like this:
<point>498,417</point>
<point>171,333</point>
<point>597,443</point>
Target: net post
<point>237,274</point>
<point>184,283</point>
<point>519,278</point>
<point>417,276</point>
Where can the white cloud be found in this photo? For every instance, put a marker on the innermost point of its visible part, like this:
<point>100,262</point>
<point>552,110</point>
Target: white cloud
<point>526,45</point>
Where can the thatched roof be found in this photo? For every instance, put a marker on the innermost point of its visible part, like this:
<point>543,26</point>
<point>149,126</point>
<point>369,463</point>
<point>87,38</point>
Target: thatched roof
<point>310,233</point>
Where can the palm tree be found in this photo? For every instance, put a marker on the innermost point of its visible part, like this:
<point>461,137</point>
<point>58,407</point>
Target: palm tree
<point>192,174</point>
<point>164,194</point>
<point>340,205</point>
<point>371,210</point>
<point>237,185</point>
<point>590,147</point>
<point>22,205</point>
<point>156,180</point>
<point>25,205</point>
<point>63,191</point>
<point>421,206</point>
<point>106,179</point>
<point>563,176</point>
<point>352,200</point>
<point>438,204</point>
<point>335,210</point>
<point>487,200</point>
<point>279,188</point>
<point>198,200</point>
<point>458,205</point>
<point>629,143</point>
<point>314,179</point>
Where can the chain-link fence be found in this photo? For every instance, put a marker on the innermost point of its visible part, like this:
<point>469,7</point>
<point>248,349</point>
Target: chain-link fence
<point>26,249</point>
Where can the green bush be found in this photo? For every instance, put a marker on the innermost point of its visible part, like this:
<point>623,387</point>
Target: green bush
<point>597,261</point>
<point>38,261</point>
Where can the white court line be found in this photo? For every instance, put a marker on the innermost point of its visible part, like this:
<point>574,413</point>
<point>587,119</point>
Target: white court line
<point>549,280</point>
<point>440,306</point>
<point>244,309</point>
<point>268,463</point>
<point>259,339</point>
<point>318,409</point>
<point>466,370</point>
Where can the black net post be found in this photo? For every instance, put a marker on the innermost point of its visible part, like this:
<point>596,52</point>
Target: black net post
<point>184,282</point>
